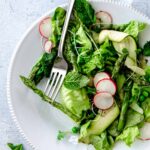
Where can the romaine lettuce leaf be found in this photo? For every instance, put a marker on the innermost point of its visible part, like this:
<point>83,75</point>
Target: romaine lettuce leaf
<point>102,142</point>
<point>76,101</point>
<point>129,135</point>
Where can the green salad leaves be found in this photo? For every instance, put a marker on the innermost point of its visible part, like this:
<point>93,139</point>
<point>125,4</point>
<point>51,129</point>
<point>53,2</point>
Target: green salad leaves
<point>91,49</point>
<point>129,135</point>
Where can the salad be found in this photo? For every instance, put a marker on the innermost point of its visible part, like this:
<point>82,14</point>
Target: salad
<point>107,88</point>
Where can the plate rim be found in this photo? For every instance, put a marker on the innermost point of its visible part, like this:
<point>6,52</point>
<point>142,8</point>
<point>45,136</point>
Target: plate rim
<point>16,50</point>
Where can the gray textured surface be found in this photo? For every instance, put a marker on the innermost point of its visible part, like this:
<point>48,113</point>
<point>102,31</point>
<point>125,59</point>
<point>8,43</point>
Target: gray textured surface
<point>15,17</point>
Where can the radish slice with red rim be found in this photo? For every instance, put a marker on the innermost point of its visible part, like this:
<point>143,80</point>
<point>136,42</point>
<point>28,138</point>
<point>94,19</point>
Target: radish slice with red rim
<point>106,85</point>
<point>104,18</point>
<point>48,46</point>
<point>100,76</point>
<point>45,27</point>
<point>103,100</point>
<point>145,132</point>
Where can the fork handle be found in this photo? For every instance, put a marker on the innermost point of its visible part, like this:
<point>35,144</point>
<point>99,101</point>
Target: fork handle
<point>65,27</point>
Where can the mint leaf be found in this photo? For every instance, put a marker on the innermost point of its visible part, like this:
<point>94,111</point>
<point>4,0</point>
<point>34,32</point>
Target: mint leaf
<point>75,81</point>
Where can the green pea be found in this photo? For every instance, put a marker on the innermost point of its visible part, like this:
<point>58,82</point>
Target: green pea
<point>75,130</point>
<point>142,98</point>
<point>145,93</point>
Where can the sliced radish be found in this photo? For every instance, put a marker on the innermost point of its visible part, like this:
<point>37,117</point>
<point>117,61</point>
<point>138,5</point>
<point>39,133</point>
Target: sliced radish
<point>106,85</point>
<point>48,46</point>
<point>105,18</point>
<point>103,100</point>
<point>100,76</point>
<point>45,27</point>
<point>145,132</point>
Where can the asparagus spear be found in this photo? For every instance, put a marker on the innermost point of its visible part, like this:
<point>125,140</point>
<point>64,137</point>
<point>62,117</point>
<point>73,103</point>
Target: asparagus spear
<point>123,111</point>
<point>118,64</point>
<point>45,98</point>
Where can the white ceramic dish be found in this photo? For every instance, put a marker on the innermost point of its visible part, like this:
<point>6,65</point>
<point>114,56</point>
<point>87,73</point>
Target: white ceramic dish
<point>37,121</point>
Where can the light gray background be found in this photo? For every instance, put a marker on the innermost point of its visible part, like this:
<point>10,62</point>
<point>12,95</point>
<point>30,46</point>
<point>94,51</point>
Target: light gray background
<point>15,17</point>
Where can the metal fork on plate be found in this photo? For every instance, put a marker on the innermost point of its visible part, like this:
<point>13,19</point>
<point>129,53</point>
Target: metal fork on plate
<point>60,67</point>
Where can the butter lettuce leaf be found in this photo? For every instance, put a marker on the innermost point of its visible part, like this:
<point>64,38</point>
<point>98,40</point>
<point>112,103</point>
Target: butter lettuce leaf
<point>102,142</point>
<point>129,135</point>
<point>132,28</point>
<point>76,101</point>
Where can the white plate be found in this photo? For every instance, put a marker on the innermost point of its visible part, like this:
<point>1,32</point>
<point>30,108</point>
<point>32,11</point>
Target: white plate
<point>36,120</point>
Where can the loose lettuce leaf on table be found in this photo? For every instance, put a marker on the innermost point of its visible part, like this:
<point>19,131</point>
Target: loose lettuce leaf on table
<point>15,147</point>
<point>85,12</point>
<point>76,101</point>
<point>146,109</point>
<point>102,142</point>
<point>128,135</point>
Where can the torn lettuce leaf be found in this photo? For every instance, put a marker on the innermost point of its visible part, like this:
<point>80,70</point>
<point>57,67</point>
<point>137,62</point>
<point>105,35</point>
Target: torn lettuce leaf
<point>76,101</point>
<point>146,109</point>
<point>82,40</point>
<point>100,58</point>
<point>85,12</point>
<point>102,142</point>
<point>132,28</point>
<point>128,135</point>
<point>133,118</point>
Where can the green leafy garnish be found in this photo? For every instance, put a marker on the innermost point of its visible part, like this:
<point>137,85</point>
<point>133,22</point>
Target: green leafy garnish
<point>61,135</point>
<point>15,147</point>
<point>75,81</point>
<point>128,135</point>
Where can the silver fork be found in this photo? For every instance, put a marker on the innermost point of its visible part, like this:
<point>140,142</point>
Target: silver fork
<point>60,67</point>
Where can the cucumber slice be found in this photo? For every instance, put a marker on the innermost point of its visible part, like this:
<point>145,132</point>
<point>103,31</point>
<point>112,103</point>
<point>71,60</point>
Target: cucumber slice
<point>112,35</point>
<point>98,125</point>
<point>122,41</point>
<point>128,43</point>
